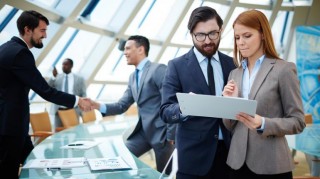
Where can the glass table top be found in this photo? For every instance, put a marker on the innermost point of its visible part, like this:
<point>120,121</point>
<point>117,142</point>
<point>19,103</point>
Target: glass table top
<point>108,134</point>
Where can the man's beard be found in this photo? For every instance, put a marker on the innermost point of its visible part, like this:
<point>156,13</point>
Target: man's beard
<point>207,53</point>
<point>35,44</point>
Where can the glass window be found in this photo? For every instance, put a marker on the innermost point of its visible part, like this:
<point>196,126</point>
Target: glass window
<point>11,29</point>
<point>4,12</point>
<point>104,12</point>
<point>171,53</point>
<point>49,3</point>
<point>112,93</point>
<point>106,72</point>
<point>182,35</point>
<point>78,50</point>
<point>151,24</point>
<point>280,29</point>
<point>260,2</point>
<point>93,90</point>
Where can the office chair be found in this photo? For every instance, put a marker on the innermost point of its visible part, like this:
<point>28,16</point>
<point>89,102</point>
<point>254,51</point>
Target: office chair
<point>41,126</point>
<point>69,118</point>
<point>308,119</point>
<point>132,111</point>
<point>89,116</point>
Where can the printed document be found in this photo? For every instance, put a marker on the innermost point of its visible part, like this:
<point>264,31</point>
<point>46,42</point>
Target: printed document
<point>116,163</point>
<point>56,163</point>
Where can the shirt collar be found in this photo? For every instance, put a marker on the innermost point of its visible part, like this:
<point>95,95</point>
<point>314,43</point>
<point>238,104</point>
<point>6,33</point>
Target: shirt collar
<point>245,62</point>
<point>70,74</point>
<point>142,64</point>
<point>201,57</point>
<point>24,41</point>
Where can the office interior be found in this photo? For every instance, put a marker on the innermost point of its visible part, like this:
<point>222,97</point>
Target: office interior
<point>91,33</point>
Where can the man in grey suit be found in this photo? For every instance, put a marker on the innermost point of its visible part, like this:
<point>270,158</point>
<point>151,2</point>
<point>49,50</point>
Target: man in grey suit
<point>69,83</point>
<point>144,88</point>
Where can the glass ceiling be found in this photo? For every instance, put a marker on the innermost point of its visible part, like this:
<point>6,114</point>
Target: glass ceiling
<point>89,32</point>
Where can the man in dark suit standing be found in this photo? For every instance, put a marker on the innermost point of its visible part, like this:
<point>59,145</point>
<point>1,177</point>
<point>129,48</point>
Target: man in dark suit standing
<point>18,73</point>
<point>202,143</point>
<point>144,88</point>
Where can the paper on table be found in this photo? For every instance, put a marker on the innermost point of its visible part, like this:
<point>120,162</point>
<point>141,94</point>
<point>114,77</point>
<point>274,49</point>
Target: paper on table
<point>56,163</point>
<point>215,106</point>
<point>80,145</point>
<point>116,163</point>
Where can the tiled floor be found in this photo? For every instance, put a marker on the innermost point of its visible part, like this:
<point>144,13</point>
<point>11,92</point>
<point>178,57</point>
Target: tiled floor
<point>301,169</point>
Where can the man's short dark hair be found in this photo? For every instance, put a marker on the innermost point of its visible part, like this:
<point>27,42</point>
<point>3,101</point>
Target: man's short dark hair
<point>203,14</point>
<point>31,20</point>
<point>141,41</point>
<point>70,61</point>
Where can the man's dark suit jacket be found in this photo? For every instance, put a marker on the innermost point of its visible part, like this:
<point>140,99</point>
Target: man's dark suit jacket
<point>196,137</point>
<point>18,73</point>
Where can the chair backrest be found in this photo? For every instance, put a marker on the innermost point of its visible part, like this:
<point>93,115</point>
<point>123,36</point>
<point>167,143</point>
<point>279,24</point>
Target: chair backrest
<point>308,118</point>
<point>40,122</point>
<point>41,126</point>
<point>69,118</point>
<point>132,111</point>
<point>88,116</point>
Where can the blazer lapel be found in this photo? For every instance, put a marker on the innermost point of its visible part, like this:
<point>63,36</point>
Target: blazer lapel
<point>238,76</point>
<point>196,72</point>
<point>143,76</point>
<point>265,68</point>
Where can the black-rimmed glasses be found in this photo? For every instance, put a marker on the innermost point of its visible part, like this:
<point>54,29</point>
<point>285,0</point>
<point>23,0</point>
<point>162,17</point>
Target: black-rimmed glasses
<point>213,35</point>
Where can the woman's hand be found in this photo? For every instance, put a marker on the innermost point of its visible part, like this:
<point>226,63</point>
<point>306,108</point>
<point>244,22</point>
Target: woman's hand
<point>231,89</point>
<point>250,121</point>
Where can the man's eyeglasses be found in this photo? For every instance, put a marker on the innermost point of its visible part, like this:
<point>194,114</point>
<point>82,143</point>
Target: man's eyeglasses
<point>213,35</point>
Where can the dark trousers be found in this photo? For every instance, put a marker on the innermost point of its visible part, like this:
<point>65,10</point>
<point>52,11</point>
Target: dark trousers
<point>219,168</point>
<point>245,172</point>
<point>13,151</point>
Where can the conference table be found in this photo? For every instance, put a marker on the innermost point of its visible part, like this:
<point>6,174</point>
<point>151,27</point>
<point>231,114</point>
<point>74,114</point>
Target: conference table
<point>110,138</point>
<point>308,142</point>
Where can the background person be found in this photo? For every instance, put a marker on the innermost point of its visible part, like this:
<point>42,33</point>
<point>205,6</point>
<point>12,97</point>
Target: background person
<point>259,148</point>
<point>67,82</point>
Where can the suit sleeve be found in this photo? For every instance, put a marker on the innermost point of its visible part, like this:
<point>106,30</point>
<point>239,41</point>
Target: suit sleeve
<point>170,109</point>
<point>289,89</point>
<point>158,79</point>
<point>25,69</point>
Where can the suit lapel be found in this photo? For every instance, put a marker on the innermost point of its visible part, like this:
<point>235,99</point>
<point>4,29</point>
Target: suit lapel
<point>196,73</point>
<point>238,78</point>
<point>224,67</point>
<point>143,76</point>
<point>265,68</point>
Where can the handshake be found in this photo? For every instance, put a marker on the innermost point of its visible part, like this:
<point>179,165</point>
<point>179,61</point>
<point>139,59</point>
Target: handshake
<point>86,104</point>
